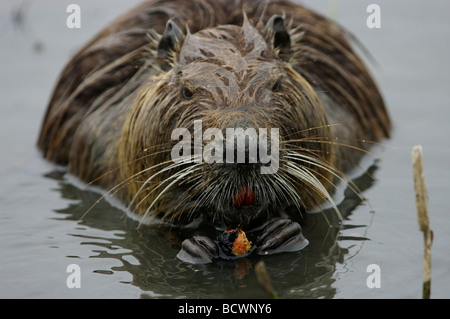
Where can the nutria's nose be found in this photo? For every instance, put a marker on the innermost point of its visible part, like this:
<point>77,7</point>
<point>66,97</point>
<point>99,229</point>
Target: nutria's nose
<point>243,147</point>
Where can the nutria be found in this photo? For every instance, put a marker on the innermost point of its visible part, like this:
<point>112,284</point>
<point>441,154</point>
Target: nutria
<point>229,64</point>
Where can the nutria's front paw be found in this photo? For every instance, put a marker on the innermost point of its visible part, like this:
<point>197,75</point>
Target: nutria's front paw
<point>281,235</point>
<point>198,250</point>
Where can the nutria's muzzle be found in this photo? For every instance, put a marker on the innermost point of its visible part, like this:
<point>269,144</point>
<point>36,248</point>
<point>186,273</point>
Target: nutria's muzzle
<point>250,156</point>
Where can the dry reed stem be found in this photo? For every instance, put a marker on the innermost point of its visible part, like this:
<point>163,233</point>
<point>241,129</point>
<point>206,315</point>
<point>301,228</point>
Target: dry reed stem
<point>423,216</point>
<point>264,279</point>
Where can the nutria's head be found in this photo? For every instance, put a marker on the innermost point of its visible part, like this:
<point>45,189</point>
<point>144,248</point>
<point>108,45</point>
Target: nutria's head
<point>179,160</point>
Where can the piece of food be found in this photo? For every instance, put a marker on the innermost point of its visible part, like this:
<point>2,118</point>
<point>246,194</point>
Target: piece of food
<point>234,242</point>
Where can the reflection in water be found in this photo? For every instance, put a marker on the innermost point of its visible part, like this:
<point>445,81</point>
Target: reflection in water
<point>149,254</point>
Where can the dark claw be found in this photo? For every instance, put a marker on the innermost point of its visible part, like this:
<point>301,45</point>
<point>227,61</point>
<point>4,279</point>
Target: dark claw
<point>198,250</point>
<point>281,235</point>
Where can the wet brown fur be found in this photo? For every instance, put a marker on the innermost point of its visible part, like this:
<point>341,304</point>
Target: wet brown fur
<point>114,108</point>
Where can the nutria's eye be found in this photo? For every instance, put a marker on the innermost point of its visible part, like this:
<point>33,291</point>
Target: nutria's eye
<point>277,86</point>
<point>187,94</point>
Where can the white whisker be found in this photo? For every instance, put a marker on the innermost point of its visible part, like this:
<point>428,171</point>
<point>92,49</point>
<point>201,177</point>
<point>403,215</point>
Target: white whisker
<point>176,177</point>
<point>328,168</point>
<point>306,176</point>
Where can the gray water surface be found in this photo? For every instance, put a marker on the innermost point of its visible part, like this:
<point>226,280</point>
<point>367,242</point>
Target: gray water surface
<point>41,230</point>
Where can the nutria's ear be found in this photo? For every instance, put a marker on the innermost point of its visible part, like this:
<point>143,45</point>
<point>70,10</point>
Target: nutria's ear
<point>170,42</point>
<point>280,36</point>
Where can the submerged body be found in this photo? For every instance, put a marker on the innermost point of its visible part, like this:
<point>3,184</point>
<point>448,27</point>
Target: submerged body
<point>229,64</point>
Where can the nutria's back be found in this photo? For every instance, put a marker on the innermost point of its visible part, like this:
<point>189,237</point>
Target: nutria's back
<point>241,63</point>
